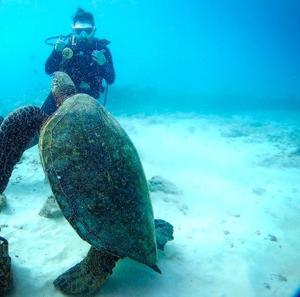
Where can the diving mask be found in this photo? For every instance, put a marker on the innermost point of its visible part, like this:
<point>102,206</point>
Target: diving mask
<point>83,30</point>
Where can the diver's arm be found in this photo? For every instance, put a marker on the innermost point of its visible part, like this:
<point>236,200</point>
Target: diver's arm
<point>107,70</point>
<point>52,63</point>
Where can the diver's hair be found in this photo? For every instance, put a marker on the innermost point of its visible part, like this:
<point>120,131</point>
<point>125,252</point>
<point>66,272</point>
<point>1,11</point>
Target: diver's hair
<point>82,15</point>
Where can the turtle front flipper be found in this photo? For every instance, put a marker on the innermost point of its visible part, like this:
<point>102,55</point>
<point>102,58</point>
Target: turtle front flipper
<point>86,277</point>
<point>16,131</point>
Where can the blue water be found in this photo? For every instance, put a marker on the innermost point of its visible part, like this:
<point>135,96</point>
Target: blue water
<point>169,55</point>
<point>195,58</point>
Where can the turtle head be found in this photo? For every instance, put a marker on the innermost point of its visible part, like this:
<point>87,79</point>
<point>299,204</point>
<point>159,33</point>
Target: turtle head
<point>62,87</point>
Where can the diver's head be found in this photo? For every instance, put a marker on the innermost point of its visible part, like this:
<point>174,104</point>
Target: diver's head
<point>83,25</point>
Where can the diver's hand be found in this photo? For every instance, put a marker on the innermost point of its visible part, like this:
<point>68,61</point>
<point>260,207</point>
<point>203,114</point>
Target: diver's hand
<point>99,57</point>
<point>59,45</point>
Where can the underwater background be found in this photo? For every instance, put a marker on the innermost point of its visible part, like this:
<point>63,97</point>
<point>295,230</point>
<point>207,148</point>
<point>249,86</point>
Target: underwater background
<point>169,56</point>
<point>209,93</point>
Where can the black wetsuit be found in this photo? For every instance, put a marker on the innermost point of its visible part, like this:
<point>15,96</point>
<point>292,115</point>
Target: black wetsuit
<point>81,68</point>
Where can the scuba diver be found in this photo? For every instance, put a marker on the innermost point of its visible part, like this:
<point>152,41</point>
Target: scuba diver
<point>85,58</point>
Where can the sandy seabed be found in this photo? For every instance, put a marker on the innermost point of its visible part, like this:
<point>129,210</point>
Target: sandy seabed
<point>236,220</point>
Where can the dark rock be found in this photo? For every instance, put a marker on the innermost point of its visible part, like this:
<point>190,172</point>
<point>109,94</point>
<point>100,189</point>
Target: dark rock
<point>164,233</point>
<point>296,152</point>
<point>158,183</point>
<point>259,191</point>
<point>2,201</point>
<point>50,209</point>
<point>267,286</point>
<point>279,277</point>
<point>234,133</point>
<point>272,238</point>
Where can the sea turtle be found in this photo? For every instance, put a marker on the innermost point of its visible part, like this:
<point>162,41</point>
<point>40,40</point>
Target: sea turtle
<point>97,179</point>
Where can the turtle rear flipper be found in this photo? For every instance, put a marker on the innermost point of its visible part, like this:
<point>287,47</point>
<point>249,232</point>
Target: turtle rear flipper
<point>16,131</point>
<point>87,277</point>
